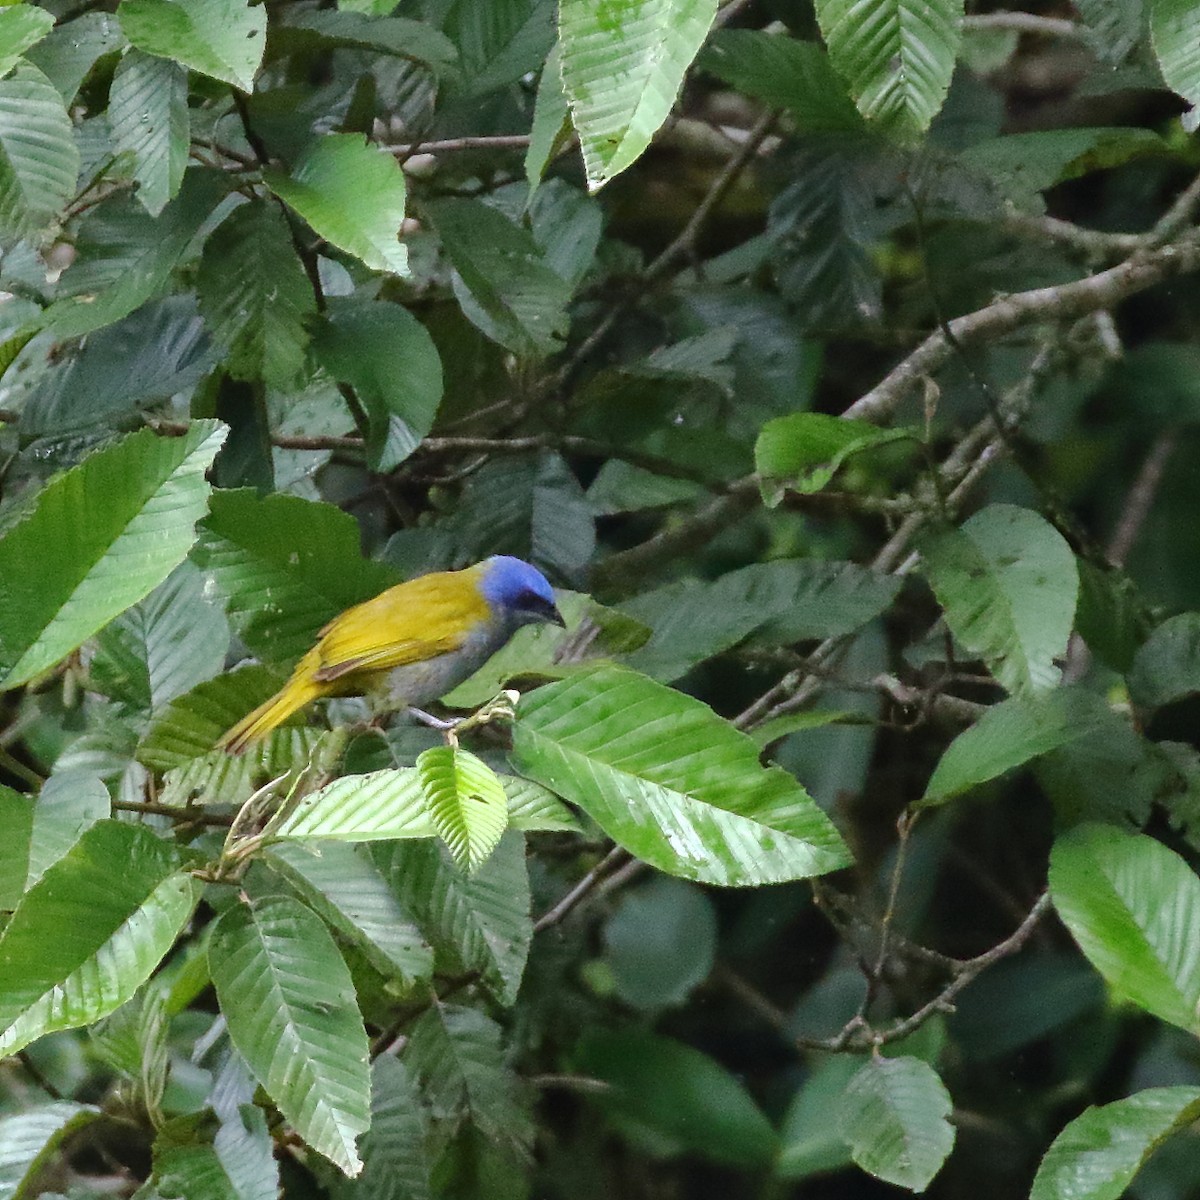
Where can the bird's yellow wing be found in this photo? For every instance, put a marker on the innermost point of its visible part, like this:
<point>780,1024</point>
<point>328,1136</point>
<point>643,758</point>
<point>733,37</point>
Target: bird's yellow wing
<point>408,623</point>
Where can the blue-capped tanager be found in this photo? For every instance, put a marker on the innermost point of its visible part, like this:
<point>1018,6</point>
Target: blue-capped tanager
<point>411,644</point>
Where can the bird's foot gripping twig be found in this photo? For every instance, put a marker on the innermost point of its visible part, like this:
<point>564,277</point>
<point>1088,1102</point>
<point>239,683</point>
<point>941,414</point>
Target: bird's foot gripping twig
<point>500,708</point>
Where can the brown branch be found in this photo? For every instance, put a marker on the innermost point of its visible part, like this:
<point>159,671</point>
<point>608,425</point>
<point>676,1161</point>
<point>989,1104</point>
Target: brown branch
<point>1140,498</point>
<point>552,916</point>
<point>193,816</point>
<point>513,141</point>
<point>1023,22</point>
<point>1067,301</point>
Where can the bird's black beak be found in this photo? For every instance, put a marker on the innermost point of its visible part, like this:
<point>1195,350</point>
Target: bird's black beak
<point>555,617</point>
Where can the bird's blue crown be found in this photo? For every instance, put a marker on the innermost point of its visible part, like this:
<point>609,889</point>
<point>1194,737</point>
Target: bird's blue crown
<point>507,580</point>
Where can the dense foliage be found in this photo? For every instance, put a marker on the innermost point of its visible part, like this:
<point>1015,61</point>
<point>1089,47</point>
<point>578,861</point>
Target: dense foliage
<point>837,364</point>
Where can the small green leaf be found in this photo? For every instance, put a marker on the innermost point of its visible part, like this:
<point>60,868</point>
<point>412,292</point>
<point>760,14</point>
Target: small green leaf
<point>21,26</point>
<point>622,66</point>
<point>1167,667</point>
<point>1098,1154</point>
<point>386,355</point>
<point>289,1002</point>
<point>221,38</point>
<point>352,194</point>
<point>670,781</point>
<point>466,802</point>
<point>803,451</point>
<point>98,539</point>
<point>1009,585</point>
<point>1133,906</point>
<point>895,1117</point>
<point>148,116</point>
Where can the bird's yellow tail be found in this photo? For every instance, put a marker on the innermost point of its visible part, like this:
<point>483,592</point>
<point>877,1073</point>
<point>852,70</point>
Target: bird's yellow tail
<point>290,698</point>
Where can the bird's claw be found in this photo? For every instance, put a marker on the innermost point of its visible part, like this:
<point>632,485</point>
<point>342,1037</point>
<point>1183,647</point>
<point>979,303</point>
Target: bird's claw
<point>500,708</point>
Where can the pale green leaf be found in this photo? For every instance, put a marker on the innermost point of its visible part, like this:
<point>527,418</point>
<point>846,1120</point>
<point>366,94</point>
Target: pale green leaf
<point>352,194</point>
<point>622,66</point>
<point>1175,34</point>
<point>670,781</point>
<point>289,1003</point>
<point>29,1141</point>
<point>69,804</point>
<point>99,538</point>
<point>551,119</point>
<point>221,38</point>
<point>465,801</point>
<point>21,26</point>
<point>70,50</point>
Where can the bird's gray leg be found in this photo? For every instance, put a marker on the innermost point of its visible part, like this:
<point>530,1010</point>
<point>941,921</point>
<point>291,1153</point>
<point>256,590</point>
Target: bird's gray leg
<point>419,714</point>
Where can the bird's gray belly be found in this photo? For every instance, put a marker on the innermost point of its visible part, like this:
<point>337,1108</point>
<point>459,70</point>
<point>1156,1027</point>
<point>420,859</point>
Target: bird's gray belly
<point>418,683</point>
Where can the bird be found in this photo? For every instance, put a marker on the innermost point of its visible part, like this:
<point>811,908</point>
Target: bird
<point>412,643</point>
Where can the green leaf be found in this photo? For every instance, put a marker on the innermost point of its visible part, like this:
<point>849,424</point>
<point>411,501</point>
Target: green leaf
<point>348,890</point>
<point>456,1055</point>
<point>69,804</point>
<point>120,894</point>
<point>16,816</point>
<point>255,295</point>
<point>31,1140</point>
<point>1098,1154</point>
<point>1026,164</point>
<point>811,1131</point>
<point>289,1002</point>
<point>354,25</point>
<point>199,1158</point>
<point>395,1159</point>
<point>1009,735</point>
<point>164,646</point>
<point>671,782</point>
<point>804,450</point>
<point>1009,584</point>
<point>99,538</point>
<point>673,1091</point>
<point>221,38</point>
<point>551,119</point>
<point>466,802</point>
<point>386,805</point>
<point>148,116</point>
<point>1167,667</point>
<point>352,194</point>
<point>286,566</point>
<point>1173,35</point>
<point>622,67</point>
<point>476,923</point>
<point>784,73</point>
<point>21,26</point>
<point>1133,906</point>
<point>1113,617</point>
<point>151,355</point>
<point>895,1117</point>
<point>500,42</point>
<point>39,160</point>
<point>661,943</point>
<point>502,280</point>
<point>68,53</point>
<point>896,55</point>
<point>386,355</point>
<point>1115,26</point>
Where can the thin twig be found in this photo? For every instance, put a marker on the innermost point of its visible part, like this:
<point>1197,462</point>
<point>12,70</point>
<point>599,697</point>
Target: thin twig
<point>1023,22</point>
<point>552,916</point>
<point>1141,496</point>
<point>506,141</point>
<point>192,816</point>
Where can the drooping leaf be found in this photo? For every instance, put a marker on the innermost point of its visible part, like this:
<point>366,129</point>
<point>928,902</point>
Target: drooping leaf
<point>148,115</point>
<point>221,38</point>
<point>465,801</point>
<point>289,1003</point>
<point>475,923</point>
<point>502,281</point>
<point>811,1141</point>
<point>679,1094</point>
<point>897,57</point>
<point>1008,583</point>
<point>671,782</point>
<point>1098,1154</point>
<point>90,931</point>
<point>551,119</point>
<point>895,1114</point>
<point>388,357</point>
<point>622,66</point>
<point>350,892</point>
<point>1173,35</point>
<point>100,538</point>
<point>69,804</point>
<point>255,295</point>
<point>352,194</point>
<point>1132,905</point>
<point>39,160</point>
<point>28,1139</point>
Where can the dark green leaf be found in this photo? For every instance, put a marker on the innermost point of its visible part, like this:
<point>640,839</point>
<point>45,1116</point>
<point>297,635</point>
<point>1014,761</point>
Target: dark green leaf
<point>21,26</point>
<point>1167,667</point>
